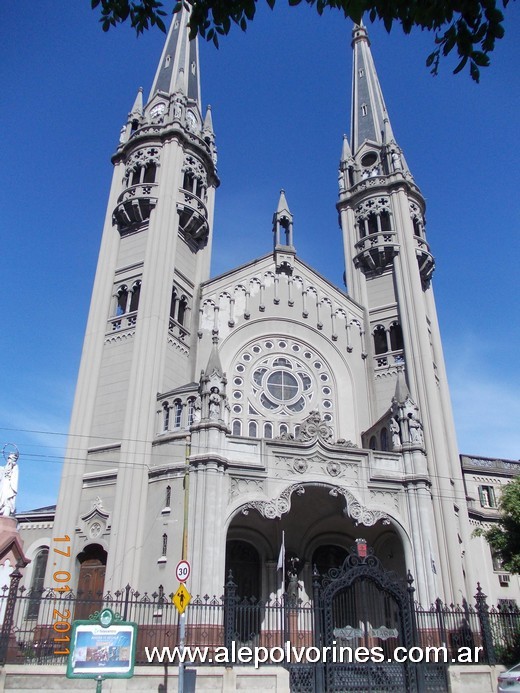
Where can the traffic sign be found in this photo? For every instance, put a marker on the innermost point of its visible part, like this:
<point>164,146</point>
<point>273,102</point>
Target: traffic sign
<point>181,598</point>
<point>182,571</point>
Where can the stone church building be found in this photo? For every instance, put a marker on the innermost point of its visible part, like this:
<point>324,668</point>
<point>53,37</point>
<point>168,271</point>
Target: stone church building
<point>214,416</point>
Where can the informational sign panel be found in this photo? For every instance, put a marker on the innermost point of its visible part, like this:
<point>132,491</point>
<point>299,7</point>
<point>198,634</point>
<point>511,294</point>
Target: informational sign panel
<point>106,650</point>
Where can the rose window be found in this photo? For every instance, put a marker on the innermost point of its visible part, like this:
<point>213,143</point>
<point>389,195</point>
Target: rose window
<point>282,381</point>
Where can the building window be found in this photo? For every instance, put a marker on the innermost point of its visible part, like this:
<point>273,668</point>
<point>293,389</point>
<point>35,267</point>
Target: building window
<point>191,410</point>
<point>508,605</point>
<point>177,408</point>
<point>122,300</point>
<point>384,439</point>
<point>38,577</point>
<point>166,416</point>
<point>168,497</point>
<point>498,565</point>
<point>373,443</point>
<point>364,109</point>
<point>181,313</point>
<point>487,496</point>
<point>380,340</point>
<point>396,337</point>
<point>253,429</point>
<point>164,545</point>
<point>237,428</point>
<point>134,296</point>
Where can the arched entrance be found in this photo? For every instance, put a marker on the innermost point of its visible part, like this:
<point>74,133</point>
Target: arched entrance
<point>364,605</point>
<point>91,581</point>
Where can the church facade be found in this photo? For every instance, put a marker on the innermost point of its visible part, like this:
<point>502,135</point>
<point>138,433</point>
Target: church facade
<point>216,418</point>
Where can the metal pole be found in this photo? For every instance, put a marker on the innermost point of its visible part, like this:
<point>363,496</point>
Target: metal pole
<point>184,556</point>
<point>186,500</point>
<point>182,624</point>
<point>99,683</point>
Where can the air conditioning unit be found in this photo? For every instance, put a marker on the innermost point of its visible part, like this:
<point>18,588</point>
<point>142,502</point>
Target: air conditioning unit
<point>504,579</point>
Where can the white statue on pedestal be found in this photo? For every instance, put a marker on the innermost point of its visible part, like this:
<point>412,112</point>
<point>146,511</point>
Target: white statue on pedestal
<point>9,485</point>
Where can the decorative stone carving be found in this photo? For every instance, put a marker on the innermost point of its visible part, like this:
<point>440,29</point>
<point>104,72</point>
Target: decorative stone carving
<point>359,513</point>
<point>333,468</point>
<point>346,443</point>
<point>278,506</point>
<point>314,427</point>
<point>240,485</point>
<point>300,465</point>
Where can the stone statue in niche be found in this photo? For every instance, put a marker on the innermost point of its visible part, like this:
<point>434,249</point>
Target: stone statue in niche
<point>9,485</point>
<point>415,428</point>
<point>396,433</point>
<point>197,407</point>
<point>396,161</point>
<point>214,405</point>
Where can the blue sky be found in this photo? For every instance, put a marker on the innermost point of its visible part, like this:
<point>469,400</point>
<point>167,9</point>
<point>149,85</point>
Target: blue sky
<point>280,96</point>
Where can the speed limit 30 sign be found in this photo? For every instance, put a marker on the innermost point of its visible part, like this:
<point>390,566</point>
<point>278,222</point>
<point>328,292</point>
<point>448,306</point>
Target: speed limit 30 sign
<point>182,571</point>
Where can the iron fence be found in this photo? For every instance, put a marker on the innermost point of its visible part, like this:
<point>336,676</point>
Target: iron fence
<point>35,629</point>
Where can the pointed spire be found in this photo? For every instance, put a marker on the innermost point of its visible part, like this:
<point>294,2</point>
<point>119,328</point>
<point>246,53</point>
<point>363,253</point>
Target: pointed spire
<point>137,108</point>
<point>214,367</point>
<point>208,121</point>
<point>283,207</point>
<point>346,152</point>
<point>401,388</point>
<point>179,54</point>
<point>368,107</point>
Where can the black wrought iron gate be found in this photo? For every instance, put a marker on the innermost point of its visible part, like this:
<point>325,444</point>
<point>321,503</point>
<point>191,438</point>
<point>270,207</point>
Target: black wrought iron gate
<point>363,612</point>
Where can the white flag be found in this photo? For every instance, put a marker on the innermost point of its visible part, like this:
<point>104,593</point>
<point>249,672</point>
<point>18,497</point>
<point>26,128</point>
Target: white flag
<point>281,557</point>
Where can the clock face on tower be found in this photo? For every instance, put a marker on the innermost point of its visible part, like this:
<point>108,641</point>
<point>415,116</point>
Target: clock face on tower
<point>158,110</point>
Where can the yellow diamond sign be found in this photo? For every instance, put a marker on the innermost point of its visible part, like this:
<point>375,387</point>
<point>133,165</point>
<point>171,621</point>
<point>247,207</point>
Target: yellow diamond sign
<point>181,598</point>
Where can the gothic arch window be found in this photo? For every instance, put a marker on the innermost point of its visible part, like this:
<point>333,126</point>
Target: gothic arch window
<point>166,416</point>
<point>168,497</point>
<point>173,303</point>
<point>237,428</point>
<point>181,313</point>
<point>268,430</point>
<point>121,300</point>
<point>134,296</point>
<point>253,429</point>
<point>372,223</point>
<point>149,173</point>
<point>37,584</point>
<point>191,410</point>
<point>373,443</point>
<point>396,337</point>
<point>380,340</point>
<point>284,429</point>
<point>386,224</point>
<point>384,439</point>
<point>188,181</point>
<point>177,413</point>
